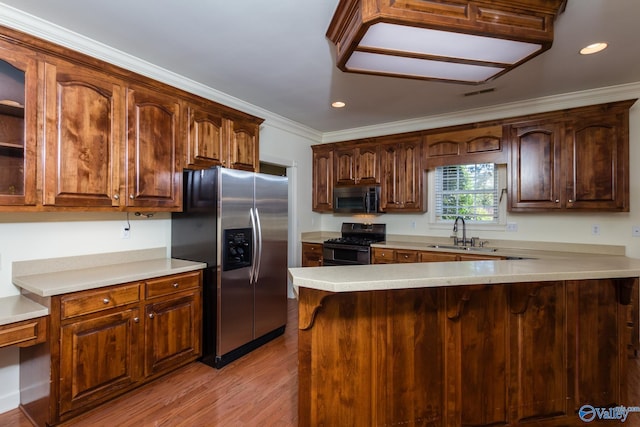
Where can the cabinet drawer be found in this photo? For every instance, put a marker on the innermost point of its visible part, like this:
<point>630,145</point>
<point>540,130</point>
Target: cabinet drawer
<point>383,256</point>
<point>25,333</point>
<point>99,299</point>
<point>172,284</point>
<point>406,256</point>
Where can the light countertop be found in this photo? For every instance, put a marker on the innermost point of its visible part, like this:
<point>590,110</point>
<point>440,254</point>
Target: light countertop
<point>56,276</point>
<point>437,274</point>
<point>17,308</point>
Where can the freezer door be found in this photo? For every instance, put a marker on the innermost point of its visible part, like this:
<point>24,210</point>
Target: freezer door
<point>235,291</point>
<point>271,209</point>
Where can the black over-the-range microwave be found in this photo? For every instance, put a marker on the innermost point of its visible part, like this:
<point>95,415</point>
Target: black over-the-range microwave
<point>357,199</point>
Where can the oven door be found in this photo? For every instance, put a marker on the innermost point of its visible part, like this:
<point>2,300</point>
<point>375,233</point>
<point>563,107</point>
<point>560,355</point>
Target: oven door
<point>333,254</point>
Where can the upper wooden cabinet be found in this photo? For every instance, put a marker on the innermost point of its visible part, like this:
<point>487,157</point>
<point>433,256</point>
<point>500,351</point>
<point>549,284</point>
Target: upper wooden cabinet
<point>403,186</point>
<point>215,138</point>
<point>243,144</point>
<point>77,133</point>
<point>322,191</point>
<point>464,146</point>
<point>357,165</point>
<point>574,160</point>
<point>154,170</point>
<point>83,140</point>
<point>18,125</point>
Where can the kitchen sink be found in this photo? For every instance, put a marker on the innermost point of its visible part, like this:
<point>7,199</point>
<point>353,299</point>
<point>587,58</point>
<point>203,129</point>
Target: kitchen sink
<point>464,248</point>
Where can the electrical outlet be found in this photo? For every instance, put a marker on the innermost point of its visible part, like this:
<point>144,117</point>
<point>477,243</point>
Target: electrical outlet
<point>635,230</point>
<point>413,225</point>
<point>126,233</point>
<point>595,229</point>
<point>512,226</point>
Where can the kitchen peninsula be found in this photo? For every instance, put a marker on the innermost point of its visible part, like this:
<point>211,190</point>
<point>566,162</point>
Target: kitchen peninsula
<point>507,342</point>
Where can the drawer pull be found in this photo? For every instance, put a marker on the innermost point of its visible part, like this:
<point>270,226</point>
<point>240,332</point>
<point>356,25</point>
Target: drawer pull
<point>106,301</point>
<point>136,319</point>
<point>175,285</point>
<point>151,316</point>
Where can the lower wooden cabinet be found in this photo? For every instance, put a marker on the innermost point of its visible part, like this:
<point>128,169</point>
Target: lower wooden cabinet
<point>312,255</point>
<point>393,256</point>
<point>106,341</point>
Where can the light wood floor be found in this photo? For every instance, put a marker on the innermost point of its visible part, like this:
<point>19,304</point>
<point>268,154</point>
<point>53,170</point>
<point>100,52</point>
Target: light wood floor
<point>259,389</point>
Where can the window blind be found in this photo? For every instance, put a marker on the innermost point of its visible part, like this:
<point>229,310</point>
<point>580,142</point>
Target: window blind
<point>469,191</point>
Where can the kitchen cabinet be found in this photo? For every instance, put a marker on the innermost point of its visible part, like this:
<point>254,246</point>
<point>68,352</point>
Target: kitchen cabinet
<point>172,326</point>
<point>577,160</point>
<point>402,187</point>
<point>395,255</point>
<point>153,167</point>
<point>18,125</point>
<point>357,165</point>
<point>107,341</point>
<point>243,144</point>
<point>322,179</point>
<point>460,146</point>
<point>214,137</point>
<point>312,255</point>
<point>83,140</point>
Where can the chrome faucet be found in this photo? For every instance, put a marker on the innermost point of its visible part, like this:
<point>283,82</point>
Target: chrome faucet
<point>457,241</point>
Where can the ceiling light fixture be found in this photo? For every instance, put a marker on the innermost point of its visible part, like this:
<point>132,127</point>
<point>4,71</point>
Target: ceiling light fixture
<point>338,104</point>
<point>593,48</point>
<point>463,41</point>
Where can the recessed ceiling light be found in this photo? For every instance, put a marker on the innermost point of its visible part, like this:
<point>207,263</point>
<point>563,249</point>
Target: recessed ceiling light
<point>338,104</point>
<point>593,48</point>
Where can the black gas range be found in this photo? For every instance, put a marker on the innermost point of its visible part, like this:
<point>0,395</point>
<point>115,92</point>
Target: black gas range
<point>354,246</point>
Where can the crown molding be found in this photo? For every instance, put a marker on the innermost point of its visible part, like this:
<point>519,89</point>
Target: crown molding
<point>502,111</point>
<point>32,25</point>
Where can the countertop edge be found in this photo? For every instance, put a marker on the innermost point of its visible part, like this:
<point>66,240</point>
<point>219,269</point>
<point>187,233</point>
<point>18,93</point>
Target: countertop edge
<point>461,273</point>
<point>57,283</point>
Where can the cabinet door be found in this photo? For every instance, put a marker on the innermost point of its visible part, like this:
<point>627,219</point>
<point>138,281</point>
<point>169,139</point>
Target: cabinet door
<point>597,155</point>
<point>367,164</point>
<point>18,128</point>
<point>154,173</point>
<point>402,176</point>
<point>322,191</point>
<point>535,167</point>
<point>426,256</point>
<point>99,358</point>
<point>172,332</point>
<point>206,143</point>
<point>344,166</point>
<point>243,145</point>
<point>311,255</point>
<point>84,117</point>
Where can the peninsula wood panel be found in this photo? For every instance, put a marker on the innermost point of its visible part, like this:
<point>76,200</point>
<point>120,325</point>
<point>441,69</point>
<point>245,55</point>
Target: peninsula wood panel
<point>479,355</point>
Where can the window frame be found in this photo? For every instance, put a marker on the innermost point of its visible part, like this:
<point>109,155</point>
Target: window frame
<point>501,171</point>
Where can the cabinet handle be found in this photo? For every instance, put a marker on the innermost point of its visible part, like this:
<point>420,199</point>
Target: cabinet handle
<point>557,201</point>
<point>131,196</point>
<point>106,301</point>
<point>175,285</point>
<point>570,201</point>
<point>116,196</point>
<point>136,319</point>
<point>151,316</point>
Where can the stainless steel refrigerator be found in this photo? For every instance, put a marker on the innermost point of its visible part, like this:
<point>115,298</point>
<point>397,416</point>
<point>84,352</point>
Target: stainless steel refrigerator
<point>236,222</point>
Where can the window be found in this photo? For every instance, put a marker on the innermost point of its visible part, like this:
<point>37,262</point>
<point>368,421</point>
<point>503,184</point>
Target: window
<point>469,191</point>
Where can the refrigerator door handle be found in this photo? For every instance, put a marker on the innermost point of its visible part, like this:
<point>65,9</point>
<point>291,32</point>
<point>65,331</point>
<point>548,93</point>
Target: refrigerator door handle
<point>254,251</point>
<point>258,262</point>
